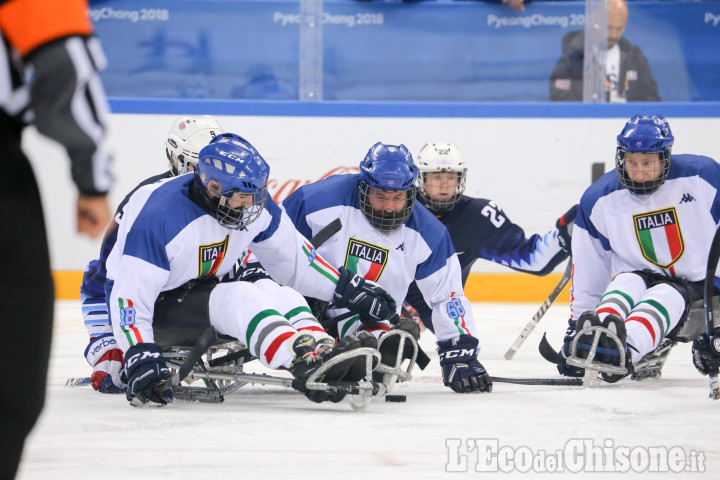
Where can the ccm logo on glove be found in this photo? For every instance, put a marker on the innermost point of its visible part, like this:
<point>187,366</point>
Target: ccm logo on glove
<point>141,356</point>
<point>457,353</point>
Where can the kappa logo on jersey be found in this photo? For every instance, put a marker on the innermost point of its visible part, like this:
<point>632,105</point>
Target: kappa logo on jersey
<point>687,198</point>
<point>362,256</point>
<point>210,257</point>
<point>660,238</point>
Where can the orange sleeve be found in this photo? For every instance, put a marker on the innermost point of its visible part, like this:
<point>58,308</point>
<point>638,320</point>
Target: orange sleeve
<point>27,24</point>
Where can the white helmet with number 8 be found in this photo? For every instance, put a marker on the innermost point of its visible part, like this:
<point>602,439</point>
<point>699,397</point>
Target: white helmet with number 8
<point>440,158</point>
<point>189,135</point>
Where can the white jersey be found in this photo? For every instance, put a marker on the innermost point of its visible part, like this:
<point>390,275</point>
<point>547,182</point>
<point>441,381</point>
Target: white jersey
<point>166,240</point>
<point>668,231</point>
<point>420,250</point>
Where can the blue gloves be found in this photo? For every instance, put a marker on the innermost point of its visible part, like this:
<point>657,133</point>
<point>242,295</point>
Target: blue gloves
<point>564,368</point>
<point>461,370</point>
<point>563,225</point>
<point>368,300</point>
<point>706,352</point>
<point>147,376</point>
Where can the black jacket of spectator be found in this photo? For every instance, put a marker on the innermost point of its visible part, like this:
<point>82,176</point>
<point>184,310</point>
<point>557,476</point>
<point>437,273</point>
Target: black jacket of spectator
<point>566,81</point>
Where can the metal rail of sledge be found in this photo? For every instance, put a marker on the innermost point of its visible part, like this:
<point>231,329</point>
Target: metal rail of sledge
<point>223,376</point>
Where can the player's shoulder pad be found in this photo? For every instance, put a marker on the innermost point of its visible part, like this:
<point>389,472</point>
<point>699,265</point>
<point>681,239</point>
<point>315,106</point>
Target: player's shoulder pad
<point>171,196</point>
<point>475,205</point>
<point>147,181</point>
<point>273,209</point>
<point>332,191</point>
<point>686,165</point>
<point>605,185</point>
<point>432,231</point>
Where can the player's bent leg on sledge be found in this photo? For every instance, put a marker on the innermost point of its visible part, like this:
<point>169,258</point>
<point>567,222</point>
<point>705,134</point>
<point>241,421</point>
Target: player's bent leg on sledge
<point>660,310</point>
<point>293,306</point>
<point>246,312</point>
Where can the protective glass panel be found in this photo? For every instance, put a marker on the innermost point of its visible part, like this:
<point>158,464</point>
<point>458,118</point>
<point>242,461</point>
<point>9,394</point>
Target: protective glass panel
<point>394,51</point>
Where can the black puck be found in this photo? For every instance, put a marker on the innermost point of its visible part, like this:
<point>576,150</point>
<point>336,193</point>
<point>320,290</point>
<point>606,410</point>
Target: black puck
<point>396,398</point>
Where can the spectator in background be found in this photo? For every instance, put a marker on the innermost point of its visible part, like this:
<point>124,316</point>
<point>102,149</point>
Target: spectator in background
<point>628,76</point>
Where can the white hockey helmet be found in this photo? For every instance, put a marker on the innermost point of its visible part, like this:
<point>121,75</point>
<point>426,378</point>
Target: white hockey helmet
<point>188,135</point>
<point>440,157</point>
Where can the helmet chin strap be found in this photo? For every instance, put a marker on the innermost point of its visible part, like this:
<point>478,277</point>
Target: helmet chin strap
<point>199,195</point>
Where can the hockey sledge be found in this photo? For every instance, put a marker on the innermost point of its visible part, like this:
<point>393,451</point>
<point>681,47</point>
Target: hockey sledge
<point>217,363</point>
<point>650,366</point>
<point>405,357</point>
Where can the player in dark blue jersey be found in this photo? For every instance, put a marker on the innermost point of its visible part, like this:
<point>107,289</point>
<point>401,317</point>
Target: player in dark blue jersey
<point>478,227</point>
<point>187,136</point>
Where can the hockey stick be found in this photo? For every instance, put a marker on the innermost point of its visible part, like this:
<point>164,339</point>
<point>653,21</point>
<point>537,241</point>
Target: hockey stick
<point>326,232</point>
<point>568,382</point>
<point>77,382</point>
<point>540,312</point>
<point>548,352</point>
<point>712,264</point>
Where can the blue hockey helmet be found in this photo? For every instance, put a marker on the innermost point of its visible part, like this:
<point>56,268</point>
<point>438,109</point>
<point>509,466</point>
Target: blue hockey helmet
<point>644,134</point>
<point>387,169</point>
<point>228,166</point>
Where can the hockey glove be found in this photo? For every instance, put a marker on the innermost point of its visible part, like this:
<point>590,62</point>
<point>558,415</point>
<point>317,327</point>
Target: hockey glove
<point>564,226</point>
<point>366,299</point>
<point>564,368</point>
<point>147,376</point>
<point>461,370</point>
<point>706,353</point>
<point>106,359</point>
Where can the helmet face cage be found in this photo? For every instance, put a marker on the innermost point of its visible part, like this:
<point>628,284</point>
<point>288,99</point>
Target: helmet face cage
<point>440,158</point>
<point>439,207</point>
<point>387,168</point>
<point>383,220</point>
<point>237,218</point>
<point>187,136</point>
<point>230,165</point>
<point>644,134</point>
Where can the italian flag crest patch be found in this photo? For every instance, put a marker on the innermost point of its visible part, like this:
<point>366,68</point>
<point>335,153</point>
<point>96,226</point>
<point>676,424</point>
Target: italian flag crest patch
<point>660,238</point>
<point>210,257</point>
<point>366,259</point>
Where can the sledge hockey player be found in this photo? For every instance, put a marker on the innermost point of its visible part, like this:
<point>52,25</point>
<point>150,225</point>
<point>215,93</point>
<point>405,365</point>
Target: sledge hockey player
<point>187,136</point>
<point>390,239</point>
<point>640,249</point>
<point>478,227</point>
<point>179,236</point>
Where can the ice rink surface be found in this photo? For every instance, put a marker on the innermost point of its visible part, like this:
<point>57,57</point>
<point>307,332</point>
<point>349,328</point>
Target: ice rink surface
<point>271,432</point>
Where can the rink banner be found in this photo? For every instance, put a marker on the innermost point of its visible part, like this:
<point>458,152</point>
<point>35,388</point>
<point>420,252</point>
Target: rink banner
<point>480,287</point>
<point>382,51</point>
<point>294,108</point>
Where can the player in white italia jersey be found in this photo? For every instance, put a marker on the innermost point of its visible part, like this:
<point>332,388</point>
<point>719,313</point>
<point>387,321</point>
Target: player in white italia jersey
<point>179,236</point>
<point>187,136</point>
<point>640,246</point>
<point>390,238</point>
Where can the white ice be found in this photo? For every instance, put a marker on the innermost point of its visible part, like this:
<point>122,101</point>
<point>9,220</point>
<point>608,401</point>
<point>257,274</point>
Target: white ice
<point>271,432</point>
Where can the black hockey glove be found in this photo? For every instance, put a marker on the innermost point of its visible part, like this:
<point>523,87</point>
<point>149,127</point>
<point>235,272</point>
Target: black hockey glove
<point>564,226</point>
<point>564,368</point>
<point>461,370</point>
<point>368,300</point>
<point>706,353</point>
<point>147,376</point>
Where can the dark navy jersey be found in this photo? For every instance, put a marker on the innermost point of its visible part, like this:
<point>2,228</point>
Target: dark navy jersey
<point>480,229</point>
